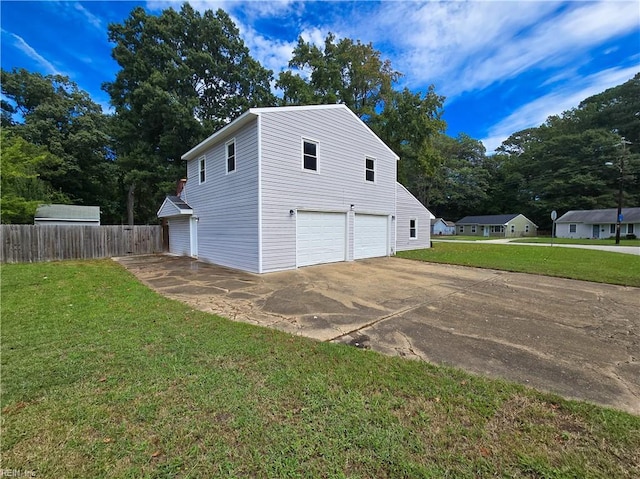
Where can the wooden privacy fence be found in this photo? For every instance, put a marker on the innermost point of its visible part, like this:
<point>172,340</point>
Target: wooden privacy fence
<point>31,243</point>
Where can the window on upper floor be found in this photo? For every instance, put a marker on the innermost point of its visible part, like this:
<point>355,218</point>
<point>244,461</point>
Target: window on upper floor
<point>309,155</point>
<point>413,229</point>
<point>230,148</point>
<point>203,172</point>
<point>370,169</point>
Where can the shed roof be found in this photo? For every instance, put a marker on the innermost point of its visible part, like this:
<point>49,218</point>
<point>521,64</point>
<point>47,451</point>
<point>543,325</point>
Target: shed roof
<point>487,220</point>
<point>68,212</point>
<point>609,215</point>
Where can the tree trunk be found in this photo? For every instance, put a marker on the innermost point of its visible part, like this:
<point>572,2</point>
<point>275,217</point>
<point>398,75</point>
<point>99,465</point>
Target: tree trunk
<point>130,203</point>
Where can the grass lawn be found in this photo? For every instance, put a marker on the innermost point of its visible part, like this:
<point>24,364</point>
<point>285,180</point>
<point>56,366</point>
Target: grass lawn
<point>606,242</point>
<point>588,265</point>
<point>102,377</point>
<point>462,238</point>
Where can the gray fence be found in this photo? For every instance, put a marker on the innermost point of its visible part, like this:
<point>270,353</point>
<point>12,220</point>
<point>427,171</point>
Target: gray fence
<point>31,243</point>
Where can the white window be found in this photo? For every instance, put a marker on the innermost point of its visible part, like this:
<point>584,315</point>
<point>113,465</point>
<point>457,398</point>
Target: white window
<point>203,172</point>
<point>513,228</point>
<point>370,169</point>
<point>473,228</point>
<point>526,228</point>
<point>230,148</point>
<point>497,229</point>
<point>413,229</point>
<point>630,229</point>
<point>309,155</point>
<point>612,229</point>
<point>572,228</point>
<point>461,229</point>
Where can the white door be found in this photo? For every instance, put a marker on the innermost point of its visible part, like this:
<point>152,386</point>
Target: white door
<point>371,236</point>
<point>194,236</point>
<point>321,237</point>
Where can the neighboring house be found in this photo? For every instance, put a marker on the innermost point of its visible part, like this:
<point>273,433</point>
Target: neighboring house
<point>440,227</point>
<point>597,223</point>
<point>502,226</point>
<point>280,188</point>
<point>67,215</point>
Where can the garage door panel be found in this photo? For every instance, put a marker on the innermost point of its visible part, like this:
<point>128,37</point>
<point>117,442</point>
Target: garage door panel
<point>321,237</point>
<point>371,236</point>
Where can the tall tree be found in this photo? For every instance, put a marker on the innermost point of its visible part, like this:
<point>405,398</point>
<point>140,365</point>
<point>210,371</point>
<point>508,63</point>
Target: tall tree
<point>343,71</point>
<point>52,112</point>
<point>183,75</point>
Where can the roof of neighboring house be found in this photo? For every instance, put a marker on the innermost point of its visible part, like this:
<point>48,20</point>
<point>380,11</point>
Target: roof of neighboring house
<point>487,220</point>
<point>68,212</point>
<point>447,223</point>
<point>609,215</point>
<point>254,113</point>
<point>177,206</point>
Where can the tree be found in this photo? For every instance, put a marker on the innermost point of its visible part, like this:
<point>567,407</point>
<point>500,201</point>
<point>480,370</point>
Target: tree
<point>22,187</point>
<point>343,72</point>
<point>183,75</point>
<point>53,113</point>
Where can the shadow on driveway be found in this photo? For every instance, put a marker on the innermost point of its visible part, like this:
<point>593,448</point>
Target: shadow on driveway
<point>574,338</point>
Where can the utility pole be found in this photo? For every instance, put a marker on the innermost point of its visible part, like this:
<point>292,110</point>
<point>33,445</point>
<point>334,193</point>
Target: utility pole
<point>620,165</point>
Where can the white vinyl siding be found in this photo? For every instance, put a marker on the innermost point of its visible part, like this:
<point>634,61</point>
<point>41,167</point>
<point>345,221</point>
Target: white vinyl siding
<point>343,141</point>
<point>180,235</point>
<point>408,208</point>
<point>227,205</point>
<point>321,237</point>
<point>371,236</point>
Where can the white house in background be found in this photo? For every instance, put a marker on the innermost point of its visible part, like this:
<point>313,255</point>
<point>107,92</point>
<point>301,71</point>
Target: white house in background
<point>280,188</point>
<point>440,227</point>
<point>67,215</point>
<point>597,223</point>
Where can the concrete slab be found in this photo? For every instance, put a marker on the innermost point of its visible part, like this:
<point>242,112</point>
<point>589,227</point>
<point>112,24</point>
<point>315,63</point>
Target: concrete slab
<point>574,338</point>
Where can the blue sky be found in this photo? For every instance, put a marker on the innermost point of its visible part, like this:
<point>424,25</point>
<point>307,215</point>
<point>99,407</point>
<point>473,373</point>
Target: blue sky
<point>503,65</point>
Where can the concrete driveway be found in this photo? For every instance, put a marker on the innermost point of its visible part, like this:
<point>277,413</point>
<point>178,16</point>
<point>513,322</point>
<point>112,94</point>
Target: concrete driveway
<point>574,338</point>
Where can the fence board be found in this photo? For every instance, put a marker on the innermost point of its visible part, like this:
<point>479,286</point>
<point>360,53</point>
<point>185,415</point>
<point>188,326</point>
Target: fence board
<point>33,243</point>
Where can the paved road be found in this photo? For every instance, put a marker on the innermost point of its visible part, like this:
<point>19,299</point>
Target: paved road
<point>575,338</point>
<point>614,249</point>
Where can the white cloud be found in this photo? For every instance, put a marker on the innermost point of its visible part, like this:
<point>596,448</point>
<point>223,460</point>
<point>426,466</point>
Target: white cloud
<point>536,112</point>
<point>88,16</point>
<point>28,50</point>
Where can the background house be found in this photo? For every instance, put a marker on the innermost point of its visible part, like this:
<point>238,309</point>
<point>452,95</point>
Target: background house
<point>67,215</point>
<point>597,223</point>
<point>280,188</point>
<point>441,227</point>
<point>502,226</point>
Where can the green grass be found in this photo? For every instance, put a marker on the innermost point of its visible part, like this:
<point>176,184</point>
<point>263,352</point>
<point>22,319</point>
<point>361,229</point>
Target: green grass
<point>103,378</point>
<point>606,242</point>
<point>587,265</point>
<point>463,238</point>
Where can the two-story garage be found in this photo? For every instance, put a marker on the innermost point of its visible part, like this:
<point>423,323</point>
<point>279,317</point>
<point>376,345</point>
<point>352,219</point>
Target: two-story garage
<point>284,187</point>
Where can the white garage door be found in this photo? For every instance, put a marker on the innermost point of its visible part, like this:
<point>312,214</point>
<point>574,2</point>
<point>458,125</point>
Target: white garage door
<point>371,236</point>
<point>321,237</point>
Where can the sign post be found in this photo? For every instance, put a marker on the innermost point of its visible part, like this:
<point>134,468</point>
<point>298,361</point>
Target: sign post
<point>554,216</point>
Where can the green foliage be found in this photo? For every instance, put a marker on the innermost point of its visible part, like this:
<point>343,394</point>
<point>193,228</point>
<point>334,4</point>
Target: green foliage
<point>22,187</point>
<point>182,76</point>
<point>561,165</point>
<point>52,113</point>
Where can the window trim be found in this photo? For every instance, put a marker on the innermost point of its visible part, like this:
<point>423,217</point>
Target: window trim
<point>227,157</point>
<point>202,170</point>
<point>372,170</point>
<point>461,229</point>
<point>573,227</point>
<point>474,228</point>
<point>317,145</point>
<point>413,230</point>
<point>630,229</point>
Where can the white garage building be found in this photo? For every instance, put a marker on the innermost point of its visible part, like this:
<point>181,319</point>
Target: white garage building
<point>280,188</point>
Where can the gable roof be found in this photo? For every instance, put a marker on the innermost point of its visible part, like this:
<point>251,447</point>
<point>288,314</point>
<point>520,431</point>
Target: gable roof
<point>68,212</point>
<point>445,222</point>
<point>609,215</point>
<point>487,219</point>
<point>253,113</point>
<point>174,206</point>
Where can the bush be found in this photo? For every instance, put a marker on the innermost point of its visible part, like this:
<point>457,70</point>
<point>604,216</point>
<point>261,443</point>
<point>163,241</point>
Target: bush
<point>631,236</point>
